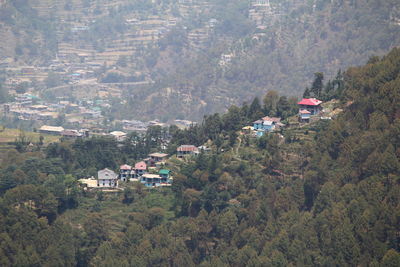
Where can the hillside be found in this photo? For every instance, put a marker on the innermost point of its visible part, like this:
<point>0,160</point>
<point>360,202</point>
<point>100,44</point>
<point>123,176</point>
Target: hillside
<point>184,59</point>
<point>325,193</point>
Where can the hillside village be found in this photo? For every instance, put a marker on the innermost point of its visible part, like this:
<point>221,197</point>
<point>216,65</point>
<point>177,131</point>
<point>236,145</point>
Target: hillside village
<point>86,115</point>
<point>153,171</point>
<point>206,133</point>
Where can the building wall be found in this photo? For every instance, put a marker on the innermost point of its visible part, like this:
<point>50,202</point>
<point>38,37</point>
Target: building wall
<point>313,109</point>
<point>257,126</point>
<point>107,182</point>
<point>125,175</point>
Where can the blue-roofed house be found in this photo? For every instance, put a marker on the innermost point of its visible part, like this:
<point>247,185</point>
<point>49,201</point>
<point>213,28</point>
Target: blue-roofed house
<point>266,124</point>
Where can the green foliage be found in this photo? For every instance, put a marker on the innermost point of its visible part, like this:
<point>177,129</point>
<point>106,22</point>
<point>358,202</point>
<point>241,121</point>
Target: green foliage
<point>3,94</point>
<point>332,200</point>
<point>53,80</point>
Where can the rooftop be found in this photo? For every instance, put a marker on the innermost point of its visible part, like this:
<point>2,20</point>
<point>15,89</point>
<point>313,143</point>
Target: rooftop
<point>151,176</point>
<point>118,133</point>
<point>310,102</point>
<point>140,166</point>
<point>158,155</point>
<point>72,133</point>
<point>51,128</point>
<point>187,148</point>
<point>125,167</point>
<point>273,119</point>
<point>106,173</point>
<point>164,171</point>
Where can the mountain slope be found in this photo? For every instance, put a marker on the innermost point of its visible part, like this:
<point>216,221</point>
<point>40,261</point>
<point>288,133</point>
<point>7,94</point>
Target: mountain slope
<point>327,194</point>
<point>198,56</point>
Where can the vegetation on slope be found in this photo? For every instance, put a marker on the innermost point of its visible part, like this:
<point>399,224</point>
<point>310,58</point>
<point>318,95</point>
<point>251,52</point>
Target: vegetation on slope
<point>323,201</point>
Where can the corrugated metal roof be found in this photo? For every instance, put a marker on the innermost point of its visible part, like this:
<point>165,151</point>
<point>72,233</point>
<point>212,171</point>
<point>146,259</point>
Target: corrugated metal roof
<point>51,128</point>
<point>164,171</point>
<point>310,102</point>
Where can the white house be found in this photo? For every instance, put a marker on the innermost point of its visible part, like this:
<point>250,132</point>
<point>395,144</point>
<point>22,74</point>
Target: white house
<point>118,135</point>
<point>125,172</point>
<point>107,178</point>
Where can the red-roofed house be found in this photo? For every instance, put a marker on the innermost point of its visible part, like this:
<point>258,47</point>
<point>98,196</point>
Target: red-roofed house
<point>186,150</point>
<point>140,169</point>
<point>312,105</point>
<point>125,172</point>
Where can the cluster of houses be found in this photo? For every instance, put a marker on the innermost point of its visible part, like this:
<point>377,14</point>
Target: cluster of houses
<point>308,107</point>
<point>151,172</point>
<point>25,108</point>
<point>75,134</point>
<point>67,133</point>
<point>30,107</point>
<point>144,172</point>
<point>84,114</point>
<point>146,175</point>
<point>108,179</point>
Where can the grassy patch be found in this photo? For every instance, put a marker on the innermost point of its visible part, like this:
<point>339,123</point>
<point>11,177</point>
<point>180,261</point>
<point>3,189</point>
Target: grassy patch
<point>9,135</point>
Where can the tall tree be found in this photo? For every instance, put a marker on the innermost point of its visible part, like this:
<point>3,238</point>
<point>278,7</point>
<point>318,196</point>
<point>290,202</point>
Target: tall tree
<point>317,84</point>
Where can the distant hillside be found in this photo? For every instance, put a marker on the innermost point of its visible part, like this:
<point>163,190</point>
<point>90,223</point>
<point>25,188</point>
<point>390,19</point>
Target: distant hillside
<point>325,193</point>
<point>282,52</point>
<point>201,55</point>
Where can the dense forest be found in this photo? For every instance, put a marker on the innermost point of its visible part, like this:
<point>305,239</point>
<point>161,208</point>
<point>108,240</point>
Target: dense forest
<point>327,194</point>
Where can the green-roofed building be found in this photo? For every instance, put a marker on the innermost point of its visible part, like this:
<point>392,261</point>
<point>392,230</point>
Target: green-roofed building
<point>164,173</point>
<point>165,176</point>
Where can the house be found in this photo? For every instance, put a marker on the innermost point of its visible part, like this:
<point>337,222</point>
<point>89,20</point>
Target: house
<point>151,180</point>
<point>164,174</point>
<point>155,158</point>
<point>157,180</point>
<point>204,149</point>
<point>118,135</point>
<point>186,150</point>
<point>312,105</point>
<point>140,169</point>
<point>166,178</point>
<point>46,115</point>
<point>23,99</point>
<point>71,134</point>
<point>125,172</point>
<point>55,130</point>
<point>247,129</point>
<point>304,115</point>
<point>266,124</point>
<point>107,178</point>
